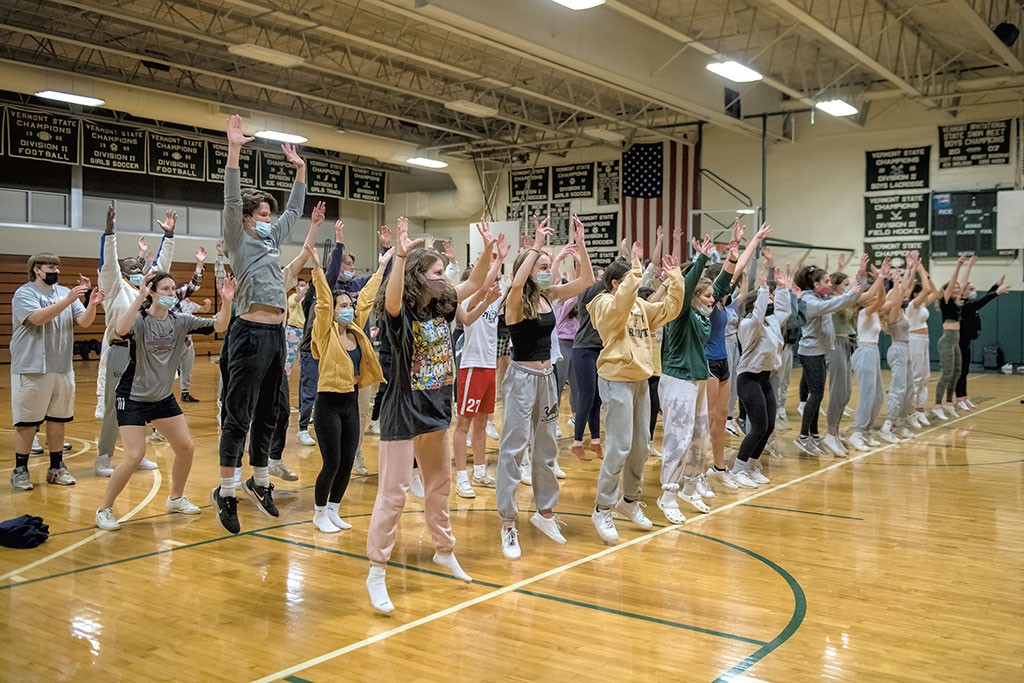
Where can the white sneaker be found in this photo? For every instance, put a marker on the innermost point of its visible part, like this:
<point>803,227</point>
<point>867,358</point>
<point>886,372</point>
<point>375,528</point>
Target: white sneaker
<point>742,478</point>
<point>105,520</point>
<point>416,484</point>
<point>359,467</point>
<point>526,473</point>
<point>922,419</point>
<point>559,472</point>
<point>950,410</point>
<point>634,512</point>
<point>549,526</point>
<point>147,464</point>
<point>183,506</point>
<point>602,520</point>
<point>510,543</point>
<point>669,506</point>
<point>464,489</point>
<point>847,412</point>
<point>102,467</point>
<point>872,441</point>
<point>832,443</point>
<point>571,422</point>
<point>59,476</point>
<point>305,439</point>
<point>887,434</point>
<point>652,450</point>
<point>755,473</point>
<point>98,413</point>
<point>938,412</point>
<point>157,437</point>
<point>374,427</point>
<point>492,431</point>
<point>695,501</point>
<point>703,489</point>
<point>721,476</point>
<point>800,408</point>
<point>805,445</point>
<point>36,446</point>
<point>732,428</point>
<point>903,433</point>
<point>486,481</point>
<point>780,415</point>
<point>558,431</point>
<point>970,403</point>
<point>858,441</point>
<point>772,447</point>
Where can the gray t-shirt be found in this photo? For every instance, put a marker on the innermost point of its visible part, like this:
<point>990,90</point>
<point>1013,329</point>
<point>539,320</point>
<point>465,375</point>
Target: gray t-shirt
<point>42,348</point>
<point>254,262</point>
<point>155,348</point>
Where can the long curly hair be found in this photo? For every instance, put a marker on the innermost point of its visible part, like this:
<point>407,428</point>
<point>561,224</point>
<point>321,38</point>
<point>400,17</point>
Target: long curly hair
<point>416,295</point>
<point>531,291</point>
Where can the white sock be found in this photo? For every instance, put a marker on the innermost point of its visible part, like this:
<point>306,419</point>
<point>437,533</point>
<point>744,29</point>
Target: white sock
<point>227,487</point>
<point>261,476</point>
<point>322,521</point>
<point>238,474</point>
<point>379,590</point>
<point>275,462</point>
<point>739,466</point>
<point>332,514</point>
<point>887,427</point>
<point>479,471</point>
<point>461,476</point>
<point>450,563</point>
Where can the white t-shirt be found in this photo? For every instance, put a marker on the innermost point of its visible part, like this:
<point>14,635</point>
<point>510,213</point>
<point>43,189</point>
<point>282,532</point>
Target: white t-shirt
<point>480,345</point>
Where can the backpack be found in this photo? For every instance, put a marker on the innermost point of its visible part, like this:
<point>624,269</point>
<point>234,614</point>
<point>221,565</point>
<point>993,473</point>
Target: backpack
<point>992,357</point>
<point>795,323</point>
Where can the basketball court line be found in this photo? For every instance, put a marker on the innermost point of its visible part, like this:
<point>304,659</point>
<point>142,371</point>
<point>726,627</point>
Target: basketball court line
<point>384,635</point>
<point>44,460</point>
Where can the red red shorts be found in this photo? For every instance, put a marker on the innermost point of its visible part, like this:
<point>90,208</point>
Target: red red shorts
<point>476,391</point>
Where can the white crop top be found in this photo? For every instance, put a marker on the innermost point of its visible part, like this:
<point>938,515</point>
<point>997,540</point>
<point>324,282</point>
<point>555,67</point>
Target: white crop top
<point>917,316</point>
<point>869,326</point>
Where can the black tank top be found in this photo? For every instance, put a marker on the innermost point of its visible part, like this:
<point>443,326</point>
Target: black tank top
<point>531,338</point>
<point>950,310</point>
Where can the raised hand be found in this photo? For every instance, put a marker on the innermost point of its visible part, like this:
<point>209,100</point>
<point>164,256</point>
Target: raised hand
<point>525,242</point>
<point>668,262</point>
<point>111,219</point>
<point>236,138</point>
<point>449,251</point>
<point>565,251</point>
<point>864,264</point>
<point>384,235</point>
<point>501,247</point>
<point>292,156</point>
<point>313,254</point>
<point>578,231</point>
<point>484,228</point>
<point>637,252</point>
<point>96,297</point>
<point>146,288</point>
<point>541,232</point>
<point>844,258</point>
<point>220,247</point>
<point>659,233</point>
<point>339,231</point>
<point>704,247</point>
<point>201,255</point>
<point>763,232</point>
<point>766,252</point>
<point>385,257</point>
<point>493,293</point>
<point>762,278</point>
<point>404,245</point>
<point>738,231</point>
<point>319,214</point>
<point>143,247</point>
<point>734,251</point>
<point>170,219</point>
<point>227,290</point>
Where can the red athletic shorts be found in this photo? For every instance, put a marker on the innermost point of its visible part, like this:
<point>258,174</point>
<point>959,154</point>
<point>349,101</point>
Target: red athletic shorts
<point>476,391</point>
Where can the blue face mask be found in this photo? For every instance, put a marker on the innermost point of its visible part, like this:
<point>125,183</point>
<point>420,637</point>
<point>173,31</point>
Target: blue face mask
<point>136,279</point>
<point>167,301</point>
<point>346,316</point>
<point>348,274</point>
<point>543,280</point>
<point>264,230</point>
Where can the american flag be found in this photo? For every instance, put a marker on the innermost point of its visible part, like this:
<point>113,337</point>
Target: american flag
<point>659,183</point>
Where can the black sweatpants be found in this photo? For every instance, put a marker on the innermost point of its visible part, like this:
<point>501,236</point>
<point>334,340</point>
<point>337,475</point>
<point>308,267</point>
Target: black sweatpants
<point>652,383</point>
<point>758,399</point>
<point>588,405</point>
<point>814,374</point>
<point>336,421</point>
<point>254,396</point>
<point>965,366</point>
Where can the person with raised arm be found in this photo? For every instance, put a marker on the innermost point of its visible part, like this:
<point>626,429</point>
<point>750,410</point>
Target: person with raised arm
<point>923,295</point>
<point>529,395</point>
<point>416,308</point>
<point>866,361</point>
<point>899,403</point>
<point>950,305</point>
<point>156,335</point>
<point>970,329</point>
<point>254,393</point>
<point>43,317</point>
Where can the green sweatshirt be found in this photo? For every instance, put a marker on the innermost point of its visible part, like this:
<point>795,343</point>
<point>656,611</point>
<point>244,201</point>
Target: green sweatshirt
<point>682,349</point>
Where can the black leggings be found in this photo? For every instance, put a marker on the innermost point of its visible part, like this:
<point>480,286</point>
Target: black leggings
<point>336,420</point>
<point>588,405</point>
<point>757,398</point>
<point>652,384</point>
<point>965,366</point>
<point>814,374</point>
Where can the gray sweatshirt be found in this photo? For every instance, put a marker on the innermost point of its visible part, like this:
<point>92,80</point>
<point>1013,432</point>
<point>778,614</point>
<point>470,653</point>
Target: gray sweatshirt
<point>760,336</point>
<point>254,262</point>
<point>819,335</point>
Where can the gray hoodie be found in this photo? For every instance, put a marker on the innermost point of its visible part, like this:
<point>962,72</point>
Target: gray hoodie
<point>760,336</point>
<point>819,336</point>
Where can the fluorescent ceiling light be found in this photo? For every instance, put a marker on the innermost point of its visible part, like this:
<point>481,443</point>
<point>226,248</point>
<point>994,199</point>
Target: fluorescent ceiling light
<point>265,54</point>
<point>426,163</point>
<point>747,211</point>
<point>605,134</point>
<point>471,108</point>
<point>579,4</point>
<point>734,71</point>
<point>837,108</point>
<point>68,97</point>
<point>280,137</point>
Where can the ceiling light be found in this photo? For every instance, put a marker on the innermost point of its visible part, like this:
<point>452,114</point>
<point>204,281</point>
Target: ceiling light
<point>265,54</point>
<point>747,212</point>
<point>579,4</point>
<point>426,163</point>
<point>734,71</point>
<point>471,108</point>
<point>605,134</point>
<point>280,137</point>
<point>68,97</point>
<point>837,108</point>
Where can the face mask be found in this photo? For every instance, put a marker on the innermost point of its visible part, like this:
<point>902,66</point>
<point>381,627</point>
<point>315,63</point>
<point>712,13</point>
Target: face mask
<point>437,287</point>
<point>703,310</point>
<point>136,279</point>
<point>972,296</point>
<point>264,230</point>
<point>167,301</point>
<point>823,290</point>
<point>770,310</point>
<point>346,316</point>
<point>50,278</point>
<point>543,280</point>
<point>348,274</point>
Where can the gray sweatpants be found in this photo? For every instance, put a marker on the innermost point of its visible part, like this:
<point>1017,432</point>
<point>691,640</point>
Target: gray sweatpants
<point>921,368</point>
<point>628,418</point>
<point>117,363</point>
<point>732,353</point>
<point>529,415</point>
<point>840,380</point>
<point>780,377</point>
<point>684,403</point>
<point>901,380</point>
<point>867,367</point>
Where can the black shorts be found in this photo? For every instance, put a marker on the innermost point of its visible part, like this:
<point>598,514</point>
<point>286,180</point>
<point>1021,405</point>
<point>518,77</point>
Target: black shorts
<point>139,413</point>
<point>719,369</point>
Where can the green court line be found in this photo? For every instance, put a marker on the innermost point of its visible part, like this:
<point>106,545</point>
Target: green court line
<point>296,679</point>
<point>797,618</point>
<point>802,512</point>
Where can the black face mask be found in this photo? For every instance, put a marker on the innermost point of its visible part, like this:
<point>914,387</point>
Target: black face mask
<point>50,278</point>
<point>770,310</point>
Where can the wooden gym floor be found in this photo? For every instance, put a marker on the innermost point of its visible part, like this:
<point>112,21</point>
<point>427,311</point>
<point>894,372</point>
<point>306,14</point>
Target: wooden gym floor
<point>902,564</point>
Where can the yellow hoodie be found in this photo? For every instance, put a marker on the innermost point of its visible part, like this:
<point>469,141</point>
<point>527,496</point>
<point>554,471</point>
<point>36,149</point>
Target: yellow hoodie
<point>336,371</point>
<point>626,325</point>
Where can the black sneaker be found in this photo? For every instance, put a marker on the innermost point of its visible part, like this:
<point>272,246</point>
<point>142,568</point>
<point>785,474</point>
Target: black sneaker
<point>227,510</point>
<point>188,398</point>
<point>263,496</point>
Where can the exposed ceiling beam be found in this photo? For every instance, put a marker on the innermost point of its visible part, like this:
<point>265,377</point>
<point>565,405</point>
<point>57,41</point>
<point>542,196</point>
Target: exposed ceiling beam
<point>978,24</point>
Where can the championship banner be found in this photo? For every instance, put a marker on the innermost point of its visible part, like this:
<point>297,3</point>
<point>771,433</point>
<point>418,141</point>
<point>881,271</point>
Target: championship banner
<point>113,147</point>
<point>275,171</point>
<point>326,178</point>
<point>898,169</point>
<point>366,184</point>
<point>217,159</point>
<point>42,136</point>
<point>528,185</point>
<point>177,157</point>
<point>575,181</point>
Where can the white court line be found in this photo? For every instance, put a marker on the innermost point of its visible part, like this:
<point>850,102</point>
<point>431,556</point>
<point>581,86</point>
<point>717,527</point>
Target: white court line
<point>157,480</point>
<point>44,458</point>
<point>589,558</point>
<point>18,579</point>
